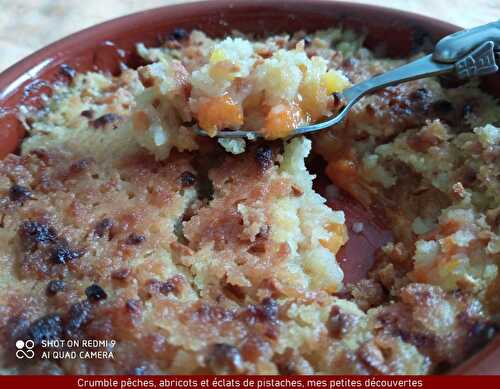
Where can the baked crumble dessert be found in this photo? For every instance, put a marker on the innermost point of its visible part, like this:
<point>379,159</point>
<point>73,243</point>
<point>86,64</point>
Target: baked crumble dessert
<point>203,256</point>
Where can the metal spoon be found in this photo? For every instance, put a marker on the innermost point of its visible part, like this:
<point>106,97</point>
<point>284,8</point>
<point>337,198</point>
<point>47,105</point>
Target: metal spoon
<point>466,53</point>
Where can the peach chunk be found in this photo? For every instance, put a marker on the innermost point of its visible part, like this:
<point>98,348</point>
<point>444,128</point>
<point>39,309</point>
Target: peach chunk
<point>339,238</point>
<point>220,112</point>
<point>281,120</point>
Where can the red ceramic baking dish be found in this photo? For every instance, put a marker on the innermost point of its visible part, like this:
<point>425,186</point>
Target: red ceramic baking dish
<point>391,32</point>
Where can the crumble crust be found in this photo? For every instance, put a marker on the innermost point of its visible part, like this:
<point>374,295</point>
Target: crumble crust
<point>117,222</point>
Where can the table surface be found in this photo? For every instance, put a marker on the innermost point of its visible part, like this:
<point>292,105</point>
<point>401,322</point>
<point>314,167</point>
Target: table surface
<point>27,25</point>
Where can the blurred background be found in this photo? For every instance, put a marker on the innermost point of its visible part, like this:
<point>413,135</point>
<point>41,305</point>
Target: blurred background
<point>27,25</point>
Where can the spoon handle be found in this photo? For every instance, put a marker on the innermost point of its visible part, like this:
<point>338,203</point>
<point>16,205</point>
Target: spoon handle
<point>453,47</point>
<point>480,61</point>
<point>423,67</point>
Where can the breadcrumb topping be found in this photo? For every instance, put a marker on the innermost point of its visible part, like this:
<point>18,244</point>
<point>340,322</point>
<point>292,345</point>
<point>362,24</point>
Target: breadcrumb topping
<point>118,222</point>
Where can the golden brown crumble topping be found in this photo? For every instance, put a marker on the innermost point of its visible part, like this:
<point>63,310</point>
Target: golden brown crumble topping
<point>117,222</point>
